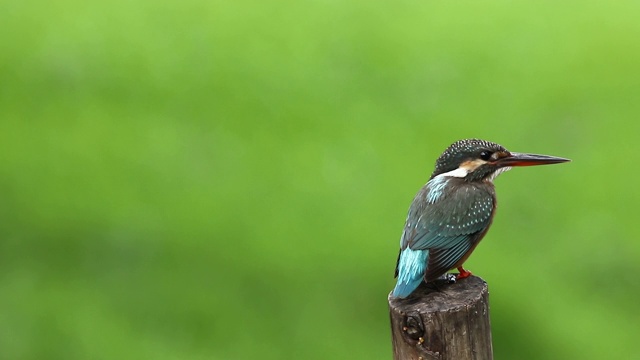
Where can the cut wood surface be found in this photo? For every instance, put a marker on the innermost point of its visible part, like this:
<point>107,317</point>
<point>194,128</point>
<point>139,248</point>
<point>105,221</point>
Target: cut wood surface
<point>443,321</point>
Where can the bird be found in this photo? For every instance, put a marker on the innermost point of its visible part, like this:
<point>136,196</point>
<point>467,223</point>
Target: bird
<point>453,211</point>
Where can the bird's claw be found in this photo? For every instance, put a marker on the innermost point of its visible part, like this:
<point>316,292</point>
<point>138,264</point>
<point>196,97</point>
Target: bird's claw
<point>463,273</point>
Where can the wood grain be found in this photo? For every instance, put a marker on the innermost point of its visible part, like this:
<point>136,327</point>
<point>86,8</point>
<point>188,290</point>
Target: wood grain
<point>443,321</point>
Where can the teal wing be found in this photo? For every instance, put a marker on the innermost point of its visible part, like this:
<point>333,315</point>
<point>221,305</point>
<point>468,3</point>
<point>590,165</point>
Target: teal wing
<point>448,225</point>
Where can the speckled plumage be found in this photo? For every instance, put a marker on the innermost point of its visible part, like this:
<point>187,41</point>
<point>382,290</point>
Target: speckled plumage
<point>445,227</point>
<point>453,211</point>
<point>461,150</point>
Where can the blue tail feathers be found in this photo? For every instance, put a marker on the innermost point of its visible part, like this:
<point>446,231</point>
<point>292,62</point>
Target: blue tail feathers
<point>411,268</point>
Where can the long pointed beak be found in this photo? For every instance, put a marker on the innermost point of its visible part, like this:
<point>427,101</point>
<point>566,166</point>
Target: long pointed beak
<point>520,159</point>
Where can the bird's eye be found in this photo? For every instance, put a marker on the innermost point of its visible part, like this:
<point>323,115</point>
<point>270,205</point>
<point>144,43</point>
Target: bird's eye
<point>485,155</point>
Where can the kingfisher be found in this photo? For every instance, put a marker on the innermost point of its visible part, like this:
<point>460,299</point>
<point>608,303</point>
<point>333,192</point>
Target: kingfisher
<point>454,210</point>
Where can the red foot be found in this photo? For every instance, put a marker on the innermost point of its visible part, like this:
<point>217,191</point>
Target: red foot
<point>463,273</point>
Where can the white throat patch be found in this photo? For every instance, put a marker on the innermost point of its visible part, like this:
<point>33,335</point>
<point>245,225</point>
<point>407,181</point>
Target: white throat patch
<point>459,173</point>
<point>437,184</point>
<point>498,172</point>
<point>462,172</point>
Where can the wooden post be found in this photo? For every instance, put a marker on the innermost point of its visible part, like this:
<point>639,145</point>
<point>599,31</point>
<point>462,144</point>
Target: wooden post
<point>450,322</point>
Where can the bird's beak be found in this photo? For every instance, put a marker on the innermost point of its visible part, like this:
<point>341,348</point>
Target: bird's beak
<point>520,159</point>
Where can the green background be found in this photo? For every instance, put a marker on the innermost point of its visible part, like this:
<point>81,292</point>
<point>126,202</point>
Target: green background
<point>229,179</point>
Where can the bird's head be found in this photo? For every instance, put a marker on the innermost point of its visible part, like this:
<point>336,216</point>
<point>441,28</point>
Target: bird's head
<point>478,160</point>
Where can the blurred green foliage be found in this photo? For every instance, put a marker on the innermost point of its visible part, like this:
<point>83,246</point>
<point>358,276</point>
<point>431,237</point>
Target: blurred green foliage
<point>229,179</point>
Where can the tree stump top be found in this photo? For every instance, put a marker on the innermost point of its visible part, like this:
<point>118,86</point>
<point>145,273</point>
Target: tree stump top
<point>443,322</point>
<point>442,296</point>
